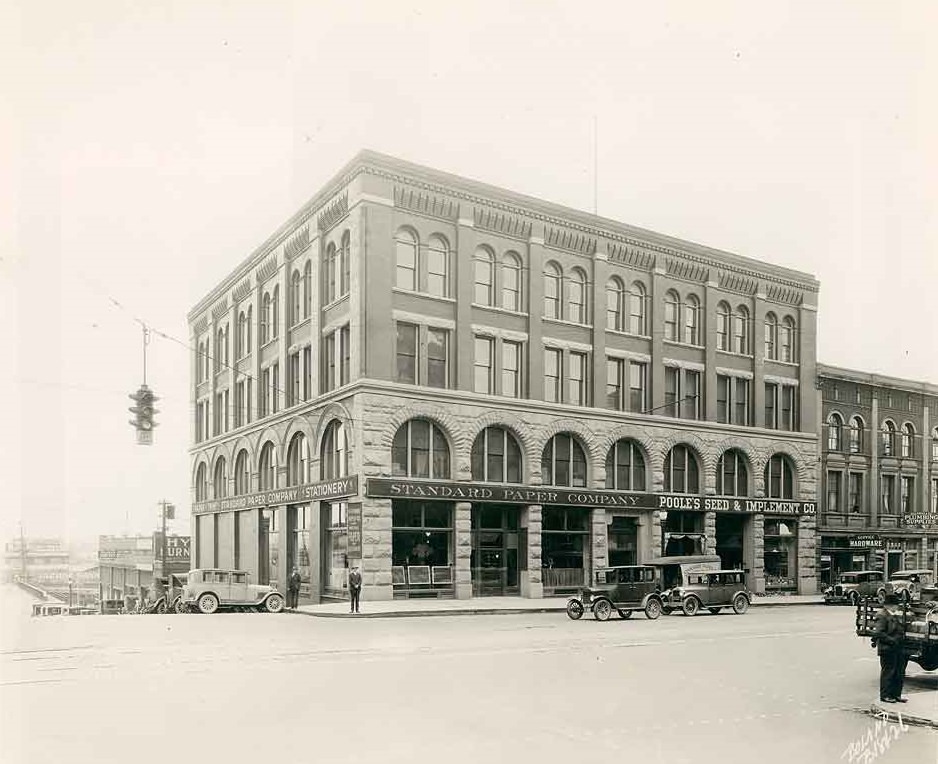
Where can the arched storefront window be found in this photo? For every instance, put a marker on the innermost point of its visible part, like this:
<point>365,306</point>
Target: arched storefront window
<point>681,471</point>
<point>496,456</point>
<point>779,478</point>
<point>267,472</point>
<point>220,483</point>
<point>563,462</point>
<point>732,474</point>
<point>242,473</point>
<point>625,466</point>
<point>334,457</point>
<point>420,450</point>
<point>298,460</point>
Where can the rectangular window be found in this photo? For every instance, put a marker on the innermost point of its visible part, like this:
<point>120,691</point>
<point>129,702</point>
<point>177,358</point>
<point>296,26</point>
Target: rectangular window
<point>578,378</point>
<point>771,405</point>
<point>239,404</point>
<point>226,413</point>
<point>741,402</point>
<point>934,495</point>
<point>672,390</point>
<point>248,400</point>
<point>407,353</point>
<point>907,494</point>
<point>888,494</point>
<point>833,491</point>
<point>638,387</point>
<point>553,365</point>
<point>327,380</point>
<point>345,354</point>
<point>670,320</point>
<point>724,385</point>
<point>855,495</point>
<point>307,373</point>
<point>511,369</point>
<point>438,358</point>
<point>789,410</point>
<point>691,394</point>
<point>293,383</point>
<point>263,402</point>
<point>484,365</point>
<point>275,389</point>
<point>615,383</point>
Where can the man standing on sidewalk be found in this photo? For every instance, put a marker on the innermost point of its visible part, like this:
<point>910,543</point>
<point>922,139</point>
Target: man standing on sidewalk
<point>355,588</point>
<point>293,589</point>
<point>887,636</point>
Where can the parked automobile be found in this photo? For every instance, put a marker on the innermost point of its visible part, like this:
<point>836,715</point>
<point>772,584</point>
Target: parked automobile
<point>209,590</point>
<point>623,588</point>
<point>907,584</point>
<point>714,590</point>
<point>674,570</point>
<point>855,585</point>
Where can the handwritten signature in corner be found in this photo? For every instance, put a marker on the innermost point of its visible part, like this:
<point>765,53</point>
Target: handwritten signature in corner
<point>875,741</point>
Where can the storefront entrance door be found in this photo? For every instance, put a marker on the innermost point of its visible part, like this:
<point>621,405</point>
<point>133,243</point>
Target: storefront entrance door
<point>494,560</point>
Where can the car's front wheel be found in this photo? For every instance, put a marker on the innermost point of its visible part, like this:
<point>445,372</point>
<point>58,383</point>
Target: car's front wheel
<point>274,603</point>
<point>690,606</point>
<point>740,604</point>
<point>881,596</point>
<point>652,609</point>
<point>575,609</point>
<point>179,606</point>
<point>602,610</point>
<point>208,603</point>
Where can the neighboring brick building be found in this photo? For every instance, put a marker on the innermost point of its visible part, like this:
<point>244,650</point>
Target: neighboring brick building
<point>879,472</point>
<point>469,391</point>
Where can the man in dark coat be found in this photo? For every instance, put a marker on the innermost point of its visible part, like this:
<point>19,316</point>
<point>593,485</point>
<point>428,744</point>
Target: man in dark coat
<point>293,589</point>
<point>888,632</point>
<point>355,588</point>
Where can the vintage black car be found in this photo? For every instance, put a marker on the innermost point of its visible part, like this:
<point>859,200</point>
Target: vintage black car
<point>713,590</point>
<point>623,588</point>
<point>856,585</point>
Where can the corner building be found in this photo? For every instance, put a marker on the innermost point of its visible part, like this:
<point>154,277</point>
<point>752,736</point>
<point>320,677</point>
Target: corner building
<point>879,473</point>
<point>471,392</point>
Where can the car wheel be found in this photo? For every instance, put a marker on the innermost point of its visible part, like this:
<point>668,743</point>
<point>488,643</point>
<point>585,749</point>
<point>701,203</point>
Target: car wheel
<point>881,596</point>
<point>208,603</point>
<point>602,610</point>
<point>690,606</point>
<point>575,609</point>
<point>161,608</point>
<point>652,609</point>
<point>625,614</point>
<point>274,603</point>
<point>714,610</point>
<point>740,604</point>
<point>179,606</point>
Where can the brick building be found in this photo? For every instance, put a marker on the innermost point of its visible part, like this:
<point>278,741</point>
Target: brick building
<point>879,473</point>
<point>469,391</point>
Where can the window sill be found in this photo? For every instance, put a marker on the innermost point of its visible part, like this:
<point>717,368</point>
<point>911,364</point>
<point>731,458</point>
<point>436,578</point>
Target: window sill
<point>565,322</point>
<point>678,343</point>
<point>300,323</point>
<point>427,295</point>
<point>623,333</point>
<point>336,301</point>
<point>734,354</point>
<point>499,309</point>
<point>792,364</point>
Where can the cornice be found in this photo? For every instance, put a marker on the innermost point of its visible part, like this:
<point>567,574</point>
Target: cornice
<point>824,371</point>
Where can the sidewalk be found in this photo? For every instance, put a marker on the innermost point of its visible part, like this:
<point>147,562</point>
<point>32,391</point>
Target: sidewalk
<point>921,689</point>
<point>490,606</point>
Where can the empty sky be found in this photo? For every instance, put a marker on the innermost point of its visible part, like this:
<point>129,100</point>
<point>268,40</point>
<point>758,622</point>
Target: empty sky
<point>148,147</point>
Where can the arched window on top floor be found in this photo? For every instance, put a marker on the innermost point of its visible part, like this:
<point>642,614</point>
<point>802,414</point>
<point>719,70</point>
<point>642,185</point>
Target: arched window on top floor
<point>345,264</point>
<point>329,267</point>
<point>511,281</point>
<point>577,297</point>
<point>275,313</point>
<point>856,435</point>
<point>615,305</point>
<point>692,320</point>
<point>672,311</point>
<point>484,269</point>
<point>563,462</point>
<point>934,445</point>
<point>888,436</point>
<point>438,267</point>
<point>771,330</point>
<point>786,340</point>
<point>406,260</point>
<point>307,289</point>
<point>266,317</point>
<point>296,298</point>
<point>723,326</point>
<point>553,281</point>
<point>496,456</point>
<point>835,432</point>
<point>638,300</point>
<point>908,441</point>
<point>740,339</point>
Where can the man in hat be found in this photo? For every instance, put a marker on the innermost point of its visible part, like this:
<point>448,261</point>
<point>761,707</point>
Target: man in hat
<point>887,637</point>
<point>355,588</point>
<point>293,588</point>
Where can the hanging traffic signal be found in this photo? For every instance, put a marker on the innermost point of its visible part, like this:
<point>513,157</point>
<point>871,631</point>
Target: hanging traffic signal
<point>143,413</point>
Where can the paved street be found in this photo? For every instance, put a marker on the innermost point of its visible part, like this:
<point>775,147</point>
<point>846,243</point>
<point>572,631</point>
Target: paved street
<point>774,685</point>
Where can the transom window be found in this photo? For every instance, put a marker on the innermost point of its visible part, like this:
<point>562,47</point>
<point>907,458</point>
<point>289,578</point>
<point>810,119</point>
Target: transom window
<point>420,450</point>
<point>681,473</point>
<point>779,478</point>
<point>496,456</point>
<point>732,474</point>
<point>625,466</point>
<point>563,462</point>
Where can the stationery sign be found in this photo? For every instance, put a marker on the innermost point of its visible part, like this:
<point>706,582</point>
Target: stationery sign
<point>327,489</point>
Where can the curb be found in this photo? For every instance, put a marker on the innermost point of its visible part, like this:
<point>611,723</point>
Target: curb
<point>897,717</point>
<point>487,611</point>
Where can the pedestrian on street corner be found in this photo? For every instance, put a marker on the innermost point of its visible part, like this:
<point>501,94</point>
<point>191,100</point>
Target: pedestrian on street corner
<point>293,589</point>
<point>887,637</point>
<point>355,588</point>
